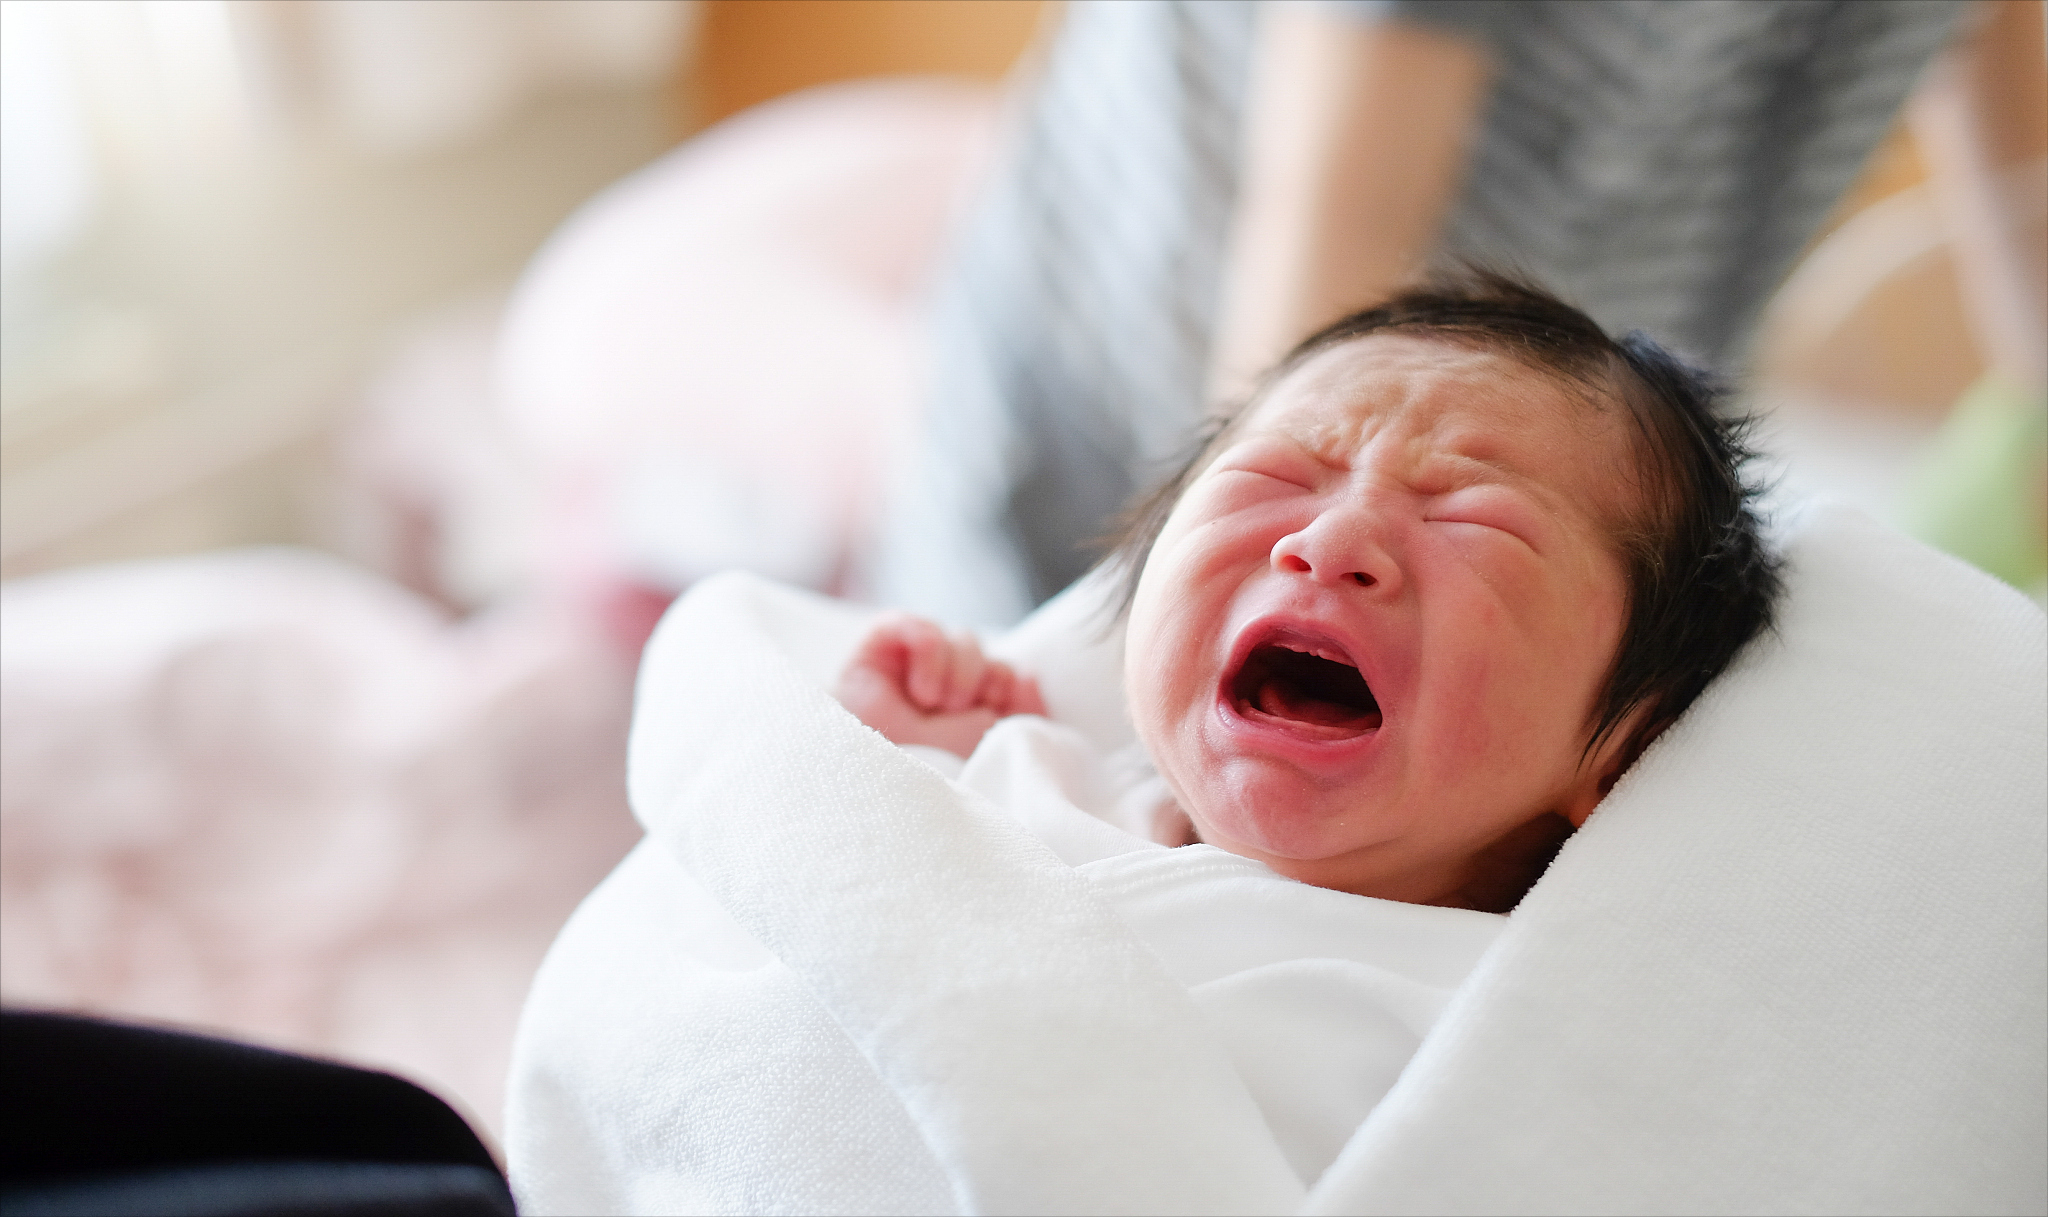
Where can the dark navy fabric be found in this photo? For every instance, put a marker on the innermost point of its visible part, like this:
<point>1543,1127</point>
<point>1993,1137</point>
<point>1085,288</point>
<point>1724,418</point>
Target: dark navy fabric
<point>101,1113</point>
<point>269,1189</point>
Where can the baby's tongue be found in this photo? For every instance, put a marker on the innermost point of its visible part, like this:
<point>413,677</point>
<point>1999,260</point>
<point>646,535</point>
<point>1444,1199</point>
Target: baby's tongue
<point>1281,699</point>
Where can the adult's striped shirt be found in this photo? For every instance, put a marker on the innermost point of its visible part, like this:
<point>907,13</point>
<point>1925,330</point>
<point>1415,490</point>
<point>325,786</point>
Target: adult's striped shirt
<point>1659,163</point>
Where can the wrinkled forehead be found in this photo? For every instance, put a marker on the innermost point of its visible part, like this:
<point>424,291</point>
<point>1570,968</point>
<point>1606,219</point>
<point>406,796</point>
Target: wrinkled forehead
<point>1458,401</point>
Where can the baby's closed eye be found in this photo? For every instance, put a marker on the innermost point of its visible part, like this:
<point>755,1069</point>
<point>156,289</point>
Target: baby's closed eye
<point>1276,460</point>
<point>1494,508</point>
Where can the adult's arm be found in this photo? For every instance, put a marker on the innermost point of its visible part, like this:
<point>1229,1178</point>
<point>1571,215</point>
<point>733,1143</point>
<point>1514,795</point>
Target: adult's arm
<point>1356,135</point>
<point>1981,121</point>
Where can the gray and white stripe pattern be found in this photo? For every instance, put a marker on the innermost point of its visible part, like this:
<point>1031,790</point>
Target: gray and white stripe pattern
<point>1659,163</point>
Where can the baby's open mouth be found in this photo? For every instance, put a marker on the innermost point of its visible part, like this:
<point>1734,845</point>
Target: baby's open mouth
<point>1307,688</point>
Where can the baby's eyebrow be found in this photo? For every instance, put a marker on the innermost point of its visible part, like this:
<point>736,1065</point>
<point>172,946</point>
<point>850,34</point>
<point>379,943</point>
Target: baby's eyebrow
<point>1292,441</point>
<point>1330,442</point>
<point>1467,468</point>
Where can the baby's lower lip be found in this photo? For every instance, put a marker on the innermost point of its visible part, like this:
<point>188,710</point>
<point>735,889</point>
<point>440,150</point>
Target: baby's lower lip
<point>1307,743</point>
<point>1305,728</point>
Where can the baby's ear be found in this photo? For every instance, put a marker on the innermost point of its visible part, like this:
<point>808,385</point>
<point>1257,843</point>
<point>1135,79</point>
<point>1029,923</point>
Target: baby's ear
<point>1619,751</point>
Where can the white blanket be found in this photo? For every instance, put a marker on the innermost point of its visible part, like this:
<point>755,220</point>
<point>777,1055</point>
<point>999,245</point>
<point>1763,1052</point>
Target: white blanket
<point>1795,963</point>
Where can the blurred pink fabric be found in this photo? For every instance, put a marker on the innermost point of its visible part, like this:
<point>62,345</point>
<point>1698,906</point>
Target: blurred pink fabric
<point>715,358</point>
<point>266,793</point>
<point>279,796</point>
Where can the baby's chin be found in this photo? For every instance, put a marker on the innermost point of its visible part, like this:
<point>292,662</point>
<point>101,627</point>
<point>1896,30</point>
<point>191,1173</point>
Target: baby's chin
<point>1372,852</point>
<point>1283,825</point>
<point>1262,808</point>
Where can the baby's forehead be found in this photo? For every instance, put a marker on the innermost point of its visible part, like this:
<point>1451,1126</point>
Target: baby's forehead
<point>1448,399</point>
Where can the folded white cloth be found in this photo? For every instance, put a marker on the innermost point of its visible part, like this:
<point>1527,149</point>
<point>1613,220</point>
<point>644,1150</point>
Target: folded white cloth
<point>1795,963</point>
<point>1318,997</point>
<point>953,978</point>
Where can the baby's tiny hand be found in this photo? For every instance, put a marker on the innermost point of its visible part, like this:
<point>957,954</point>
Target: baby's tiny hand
<point>917,685</point>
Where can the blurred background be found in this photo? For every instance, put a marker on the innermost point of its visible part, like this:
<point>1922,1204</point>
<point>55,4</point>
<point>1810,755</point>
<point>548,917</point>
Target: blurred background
<point>373,372</point>
<point>347,461</point>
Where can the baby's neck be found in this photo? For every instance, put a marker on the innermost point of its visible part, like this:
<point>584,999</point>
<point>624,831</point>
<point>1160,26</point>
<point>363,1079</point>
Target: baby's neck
<point>1493,881</point>
<point>1504,872</point>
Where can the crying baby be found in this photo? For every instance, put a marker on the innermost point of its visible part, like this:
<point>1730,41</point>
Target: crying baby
<point>1397,625</point>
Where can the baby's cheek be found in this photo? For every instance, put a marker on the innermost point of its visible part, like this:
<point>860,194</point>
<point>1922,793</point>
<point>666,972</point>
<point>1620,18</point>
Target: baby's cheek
<point>1499,572</point>
<point>1458,728</point>
<point>1498,709</point>
<point>1153,708</point>
<point>1165,670</point>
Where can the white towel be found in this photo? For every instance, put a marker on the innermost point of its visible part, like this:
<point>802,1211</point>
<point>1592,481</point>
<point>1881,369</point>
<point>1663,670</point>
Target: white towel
<point>927,1008</point>
<point>1795,963</point>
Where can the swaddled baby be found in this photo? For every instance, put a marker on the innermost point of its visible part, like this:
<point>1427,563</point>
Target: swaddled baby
<point>1397,625</point>
<point>1391,631</point>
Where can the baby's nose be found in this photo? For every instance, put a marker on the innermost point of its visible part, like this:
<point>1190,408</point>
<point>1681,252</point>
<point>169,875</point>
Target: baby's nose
<point>1335,550</point>
<point>1294,563</point>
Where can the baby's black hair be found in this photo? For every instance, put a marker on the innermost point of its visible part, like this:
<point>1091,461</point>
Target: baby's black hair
<point>1702,581</point>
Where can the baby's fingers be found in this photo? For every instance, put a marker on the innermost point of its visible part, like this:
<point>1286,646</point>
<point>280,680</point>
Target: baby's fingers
<point>1025,699</point>
<point>996,685</point>
<point>969,669</point>
<point>881,651</point>
<point>928,663</point>
<point>1006,692</point>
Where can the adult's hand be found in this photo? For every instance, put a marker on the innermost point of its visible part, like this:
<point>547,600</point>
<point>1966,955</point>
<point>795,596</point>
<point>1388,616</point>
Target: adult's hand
<point>1356,139</point>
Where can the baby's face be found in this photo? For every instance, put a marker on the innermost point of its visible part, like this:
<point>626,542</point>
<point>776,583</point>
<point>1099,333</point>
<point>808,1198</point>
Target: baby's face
<point>1369,639</point>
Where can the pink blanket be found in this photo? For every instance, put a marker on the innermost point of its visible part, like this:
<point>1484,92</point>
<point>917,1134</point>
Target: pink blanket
<point>263,793</point>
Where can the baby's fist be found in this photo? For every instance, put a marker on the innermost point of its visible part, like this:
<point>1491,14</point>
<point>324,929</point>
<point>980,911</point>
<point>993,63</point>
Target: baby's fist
<point>918,685</point>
